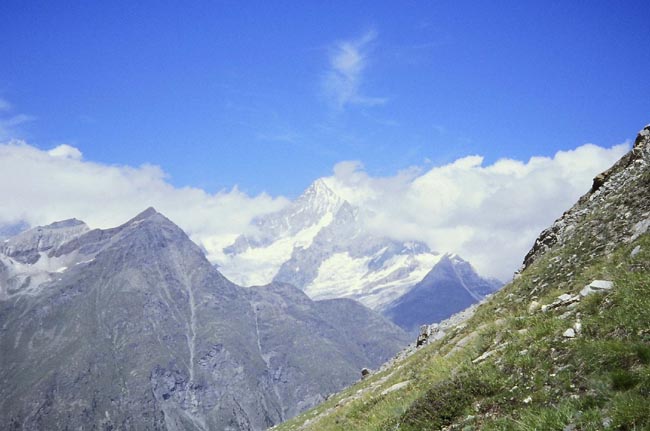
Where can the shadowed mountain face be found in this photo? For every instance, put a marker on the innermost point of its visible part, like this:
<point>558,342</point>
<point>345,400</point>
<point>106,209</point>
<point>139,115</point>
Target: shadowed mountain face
<point>305,341</point>
<point>451,286</point>
<point>139,331</point>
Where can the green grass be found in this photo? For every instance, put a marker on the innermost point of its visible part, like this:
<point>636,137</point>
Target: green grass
<point>450,399</point>
<point>536,379</point>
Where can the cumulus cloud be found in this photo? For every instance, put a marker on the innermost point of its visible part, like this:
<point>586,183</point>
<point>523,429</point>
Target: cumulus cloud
<point>65,151</point>
<point>40,187</point>
<point>488,214</point>
<point>343,78</point>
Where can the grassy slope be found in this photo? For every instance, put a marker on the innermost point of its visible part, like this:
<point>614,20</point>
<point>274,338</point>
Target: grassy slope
<point>535,379</point>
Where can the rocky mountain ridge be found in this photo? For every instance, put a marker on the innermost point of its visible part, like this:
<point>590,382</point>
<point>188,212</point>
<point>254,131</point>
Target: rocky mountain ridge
<point>615,210</point>
<point>29,258</point>
<point>140,331</point>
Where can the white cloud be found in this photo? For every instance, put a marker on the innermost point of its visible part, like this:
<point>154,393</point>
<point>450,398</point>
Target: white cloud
<point>9,125</point>
<point>9,122</point>
<point>65,151</point>
<point>490,214</point>
<point>40,187</point>
<point>342,81</point>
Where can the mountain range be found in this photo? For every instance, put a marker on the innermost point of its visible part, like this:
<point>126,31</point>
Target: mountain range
<point>132,328</point>
<point>319,244</point>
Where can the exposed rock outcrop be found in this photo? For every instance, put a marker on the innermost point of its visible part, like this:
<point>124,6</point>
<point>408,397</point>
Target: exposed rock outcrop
<point>615,210</point>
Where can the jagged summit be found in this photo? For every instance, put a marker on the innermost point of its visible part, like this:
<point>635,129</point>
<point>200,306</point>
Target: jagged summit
<point>319,190</point>
<point>318,200</point>
<point>66,223</point>
<point>316,206</point>
<point>317,197</point>
<point>149,212</point>
<point>149,217</point>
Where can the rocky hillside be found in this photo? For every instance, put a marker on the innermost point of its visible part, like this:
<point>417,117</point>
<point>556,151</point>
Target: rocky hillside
<point>132,328</point>
<point>564,346</point>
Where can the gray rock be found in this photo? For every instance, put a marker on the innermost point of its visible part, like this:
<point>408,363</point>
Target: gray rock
<point>601,284</point>
<point>564,300</point>
<point>569,333</point>
<point>533,306</point>
<point>596,286</point>
<point>484,356</point>
<point>616,210</point>
<point>635,251</point>
<point>578,327</point>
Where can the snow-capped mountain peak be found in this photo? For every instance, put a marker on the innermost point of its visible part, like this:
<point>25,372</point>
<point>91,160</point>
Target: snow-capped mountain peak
<point>319,244</point>
<point>319,198</point>
<point>255,258</point>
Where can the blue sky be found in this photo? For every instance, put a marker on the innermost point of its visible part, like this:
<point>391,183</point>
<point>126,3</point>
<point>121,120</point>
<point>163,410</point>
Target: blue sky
<point>271,95</point>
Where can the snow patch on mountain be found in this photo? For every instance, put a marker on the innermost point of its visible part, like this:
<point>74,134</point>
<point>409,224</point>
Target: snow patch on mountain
<point>28,261</point>
<point>26,278</point>
<point>342,275</point>
<point>319,244</point>
<point>256,266</point>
